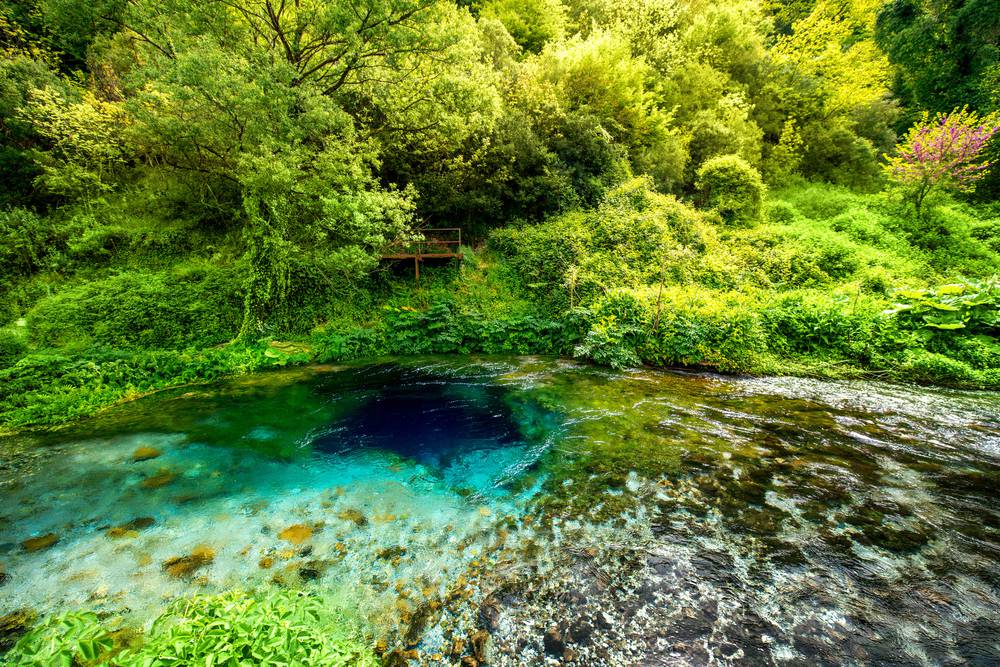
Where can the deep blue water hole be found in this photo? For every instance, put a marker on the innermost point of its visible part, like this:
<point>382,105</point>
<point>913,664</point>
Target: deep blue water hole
<point>429,422</point>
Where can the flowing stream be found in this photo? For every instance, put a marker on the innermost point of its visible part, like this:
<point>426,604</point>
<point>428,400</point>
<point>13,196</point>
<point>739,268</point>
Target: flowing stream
<point>527,511</point>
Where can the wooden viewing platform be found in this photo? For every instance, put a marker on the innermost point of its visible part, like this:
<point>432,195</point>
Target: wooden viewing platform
<point>440,243</point>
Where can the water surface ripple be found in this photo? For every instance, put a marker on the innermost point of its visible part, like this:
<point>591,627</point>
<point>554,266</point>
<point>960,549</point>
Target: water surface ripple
<point>574,514</point>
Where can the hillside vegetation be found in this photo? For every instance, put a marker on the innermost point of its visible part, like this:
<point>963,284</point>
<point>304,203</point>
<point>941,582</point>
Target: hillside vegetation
<point>194,189</point>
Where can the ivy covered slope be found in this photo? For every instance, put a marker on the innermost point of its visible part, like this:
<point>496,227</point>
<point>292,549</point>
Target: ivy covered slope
<point>192,189</point>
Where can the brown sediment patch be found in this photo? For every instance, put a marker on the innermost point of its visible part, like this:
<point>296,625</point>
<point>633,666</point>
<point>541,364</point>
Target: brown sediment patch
<point>39,543</point>
<point>296,534</point>
<point>160,479</point>
<point>145,453</point>
<point>183,567</point>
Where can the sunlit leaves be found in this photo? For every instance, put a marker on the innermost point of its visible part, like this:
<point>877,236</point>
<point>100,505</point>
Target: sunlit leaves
<point>826,45</point>
<point>85,138</point>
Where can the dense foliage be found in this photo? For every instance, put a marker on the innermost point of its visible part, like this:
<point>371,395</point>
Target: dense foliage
<point>675,182</point>
<point>198,188</point>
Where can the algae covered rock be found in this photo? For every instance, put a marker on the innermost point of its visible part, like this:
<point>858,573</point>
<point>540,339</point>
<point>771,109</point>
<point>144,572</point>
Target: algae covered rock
<point>131,528</point>
<point>145,453</point>
<point>160,479</point>
<point>39,543</point>
<point>354,516</point>
<point>183,567</point>
<point>296,534</point>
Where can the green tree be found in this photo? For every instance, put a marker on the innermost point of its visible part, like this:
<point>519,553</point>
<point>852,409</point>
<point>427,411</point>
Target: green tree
<point>733,189</point>
<point>281,112</point>
<point>532,23</point>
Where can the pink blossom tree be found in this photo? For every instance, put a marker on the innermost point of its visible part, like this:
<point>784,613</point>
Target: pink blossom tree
<point>943,153</point>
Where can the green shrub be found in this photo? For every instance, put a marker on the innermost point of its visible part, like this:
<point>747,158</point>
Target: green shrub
<point>782,213</point>
<point>968,307</point>
<point>49,388</point>
<point>731,187</point>
<point>806,254</point>
<point>816,324</point>
<point>634,237</point>
<point>617,328</point>
<point>12,347</point>
<point>862,225</point>
<point>25,241</point>
<point>142,310</point>
<point>933,368</point>
<point>950,233</point>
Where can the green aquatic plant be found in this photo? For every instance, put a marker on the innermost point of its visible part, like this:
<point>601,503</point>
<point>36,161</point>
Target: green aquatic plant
<point>71,638</point>
<point>237,628</point>
<point>232,629</point>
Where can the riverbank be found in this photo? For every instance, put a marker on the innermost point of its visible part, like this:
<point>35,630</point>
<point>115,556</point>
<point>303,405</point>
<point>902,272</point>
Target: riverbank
<point>51,390</point>
<point>832,284</point>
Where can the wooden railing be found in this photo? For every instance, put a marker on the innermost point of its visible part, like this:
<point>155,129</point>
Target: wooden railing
<point>440,243</point>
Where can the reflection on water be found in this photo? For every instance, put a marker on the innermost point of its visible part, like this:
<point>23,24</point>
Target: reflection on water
<point>592,517</point>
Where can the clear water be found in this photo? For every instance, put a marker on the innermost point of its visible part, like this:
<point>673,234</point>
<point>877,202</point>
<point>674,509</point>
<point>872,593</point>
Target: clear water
<point>634,518</point>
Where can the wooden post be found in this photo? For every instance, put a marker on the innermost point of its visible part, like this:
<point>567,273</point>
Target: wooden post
<point>416,266</point>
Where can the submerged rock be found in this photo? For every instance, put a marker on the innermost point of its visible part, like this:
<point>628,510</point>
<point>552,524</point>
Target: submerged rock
<point>354,516</point>
<point>132,528</point>
<point>296,534</point>
<point>553,642</point>
<point>39,543</point>
<point>140,523</point>
<point>312,570</point>
<point>119,532</point>
<point>393,553</point>
<point>160,479</point>
<point>145,453</point>
<point>182,567</point>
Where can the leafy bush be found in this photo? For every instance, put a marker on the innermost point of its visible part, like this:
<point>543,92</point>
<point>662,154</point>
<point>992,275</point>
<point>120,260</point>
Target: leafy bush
<point>731,187</point>
<point>971,307</point>
<point>633,237</point>
<point>696,327</point>
<point>933,368</point>
<point>25,240</point>
<point>49,388</point>
<point>782,212</point>
<point>12,347</point>
<point>950,234</point>
<point>617,328</point>
<point>142,310</point>
<point>813,324</point>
